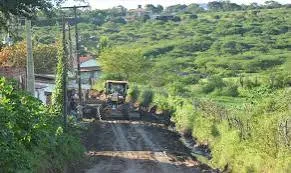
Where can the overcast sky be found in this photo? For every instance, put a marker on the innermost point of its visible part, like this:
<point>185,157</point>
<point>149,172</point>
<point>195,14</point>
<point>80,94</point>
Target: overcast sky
<point>103,4</point>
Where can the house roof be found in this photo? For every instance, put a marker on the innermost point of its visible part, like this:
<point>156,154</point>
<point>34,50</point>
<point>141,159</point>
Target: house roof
<point>90,63</point>
<point>84,59</point>
<point>90,69</point>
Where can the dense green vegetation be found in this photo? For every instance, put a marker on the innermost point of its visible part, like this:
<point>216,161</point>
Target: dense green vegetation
<point>224,76</point>
<point>31,137</point>
<point>223,73</point>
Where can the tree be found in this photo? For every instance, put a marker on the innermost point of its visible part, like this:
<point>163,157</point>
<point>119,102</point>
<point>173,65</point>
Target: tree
<point>215,6</point>
<point>153,9</point>
<point>227,6</point>
<point>272,4</point>
<point>129,63</point>
<point>253,6</point>
<point>98,17</point>
<point>118,11</point>
<point>25,8</point>
<point>176,8</point>
<point>102,45</point>
<point>194,8</point>
<point>150,7</point>
<point>44,57</point>
<point>159,8</point>
<point>14,55</point>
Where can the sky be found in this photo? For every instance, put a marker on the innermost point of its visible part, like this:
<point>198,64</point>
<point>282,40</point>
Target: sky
<point>130,4</point>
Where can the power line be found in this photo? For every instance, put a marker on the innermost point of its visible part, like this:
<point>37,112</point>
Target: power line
<point>77,50</point>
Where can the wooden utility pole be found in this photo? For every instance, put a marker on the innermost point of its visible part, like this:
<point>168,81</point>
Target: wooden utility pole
<point>29,60</point>
<point>70,46</point>
<point>65,97</point>
<point>77,50</point>
<point>78,57</point>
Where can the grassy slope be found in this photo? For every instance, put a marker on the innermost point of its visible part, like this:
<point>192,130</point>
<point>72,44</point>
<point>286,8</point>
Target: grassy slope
<point>198,45</point>
<point>202,45</point>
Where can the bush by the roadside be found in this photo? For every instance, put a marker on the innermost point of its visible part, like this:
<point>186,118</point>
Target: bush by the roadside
<point>134,93</point>
<point>252,139</point>
<point>31,139</point>
<point>146,97</point>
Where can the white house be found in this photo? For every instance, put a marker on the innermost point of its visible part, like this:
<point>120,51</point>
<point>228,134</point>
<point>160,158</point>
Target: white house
<point>90,73</point>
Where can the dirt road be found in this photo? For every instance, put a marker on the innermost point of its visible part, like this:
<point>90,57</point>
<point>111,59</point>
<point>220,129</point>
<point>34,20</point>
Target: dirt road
<point>136,147</point>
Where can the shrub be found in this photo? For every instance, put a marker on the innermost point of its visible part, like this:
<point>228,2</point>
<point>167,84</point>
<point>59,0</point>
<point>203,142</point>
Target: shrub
<point>208,88</point>
<point>113,76</point>
<point>279,80</point>
<point>230,90</point>
<point>147,97</point>
<point>215,82</point>
<point>190,79</point>
<point>162,102</point>
<point>134,94</point>
<point>30,136</point>
<point>184,116</point>
<point>177,88</point>
<point>254,139</point>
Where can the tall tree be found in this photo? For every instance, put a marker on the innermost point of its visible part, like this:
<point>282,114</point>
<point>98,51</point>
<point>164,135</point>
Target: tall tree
<point>159,8</point>
<point>215,5</point>
<point>45,57</point>
<point>195,8</point>
<point>154,9</point>
<point>128,63</point>
<point>272,4</point>
<point>24,8</point>
<point>176,8</point>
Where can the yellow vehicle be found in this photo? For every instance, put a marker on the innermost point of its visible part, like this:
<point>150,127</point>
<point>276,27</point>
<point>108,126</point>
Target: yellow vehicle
<point>116,91</point>
<point>111,103</point>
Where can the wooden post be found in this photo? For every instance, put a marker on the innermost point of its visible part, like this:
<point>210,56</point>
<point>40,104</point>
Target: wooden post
<point>29,63</point>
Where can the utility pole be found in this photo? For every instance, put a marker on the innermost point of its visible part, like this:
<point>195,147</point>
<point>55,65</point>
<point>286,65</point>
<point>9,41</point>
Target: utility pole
<point>70,45</point>
<point>65,97</point>
<point>77,50</point>
<point>29,60</point>
<point>78,57</point>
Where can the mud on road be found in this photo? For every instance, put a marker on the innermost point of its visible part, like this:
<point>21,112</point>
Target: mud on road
<point>136,147</point>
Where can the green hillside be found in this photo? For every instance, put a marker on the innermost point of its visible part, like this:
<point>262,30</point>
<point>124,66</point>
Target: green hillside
<point>224,75</point>
<point>229,44</point>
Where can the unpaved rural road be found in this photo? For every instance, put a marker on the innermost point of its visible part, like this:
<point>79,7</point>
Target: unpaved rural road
<point>136,147</point>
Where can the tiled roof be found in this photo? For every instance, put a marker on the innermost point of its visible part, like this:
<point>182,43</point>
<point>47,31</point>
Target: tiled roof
<point>84,59</point>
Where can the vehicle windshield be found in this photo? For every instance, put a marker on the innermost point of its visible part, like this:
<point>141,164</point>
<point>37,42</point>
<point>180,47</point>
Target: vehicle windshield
<point>116,88</point>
